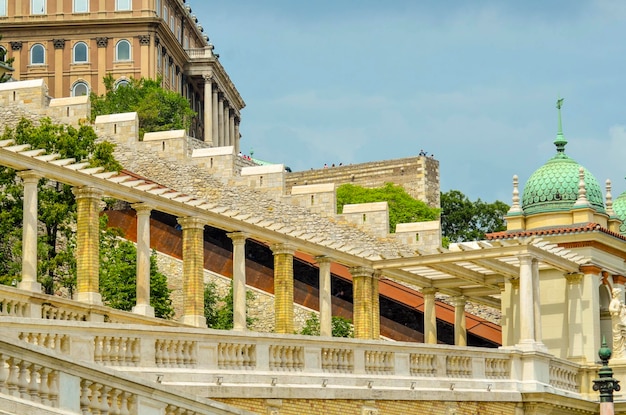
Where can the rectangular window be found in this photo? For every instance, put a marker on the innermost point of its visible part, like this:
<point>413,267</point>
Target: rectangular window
<point>3,7</point>
<point>165,14</point>
<point>81,6</point>
<point>158,8</point>
<point>122,4</point>
<point>38,6</point>
<point>172,19</point>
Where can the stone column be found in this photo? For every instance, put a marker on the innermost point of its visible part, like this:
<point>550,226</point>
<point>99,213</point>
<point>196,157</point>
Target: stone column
<point>29,232</point>
<point>143,260</point>
<point>208,109</point>
<point>363,309</point>
<point>237,136</point>
<point>375,306</point>
<point>527,300</point>
<point>193,271</point>
<point>231,128</point>
<point>226,124</point>
<point>283,288</point>
<point>220,120</point>
<point>536,300</point>
<point>146,63</point>
<point>239,280</point>
<point>590,292</point>
<point>460,326</point>
<point>16,47</point>
<point>510,312</point>
<point>215,134</point>
<point>102,43</point>
<point>88,200</point>
<point>325,298</point>
<point>59,63</point>
<point>430,316</point>
<point>574,315</point>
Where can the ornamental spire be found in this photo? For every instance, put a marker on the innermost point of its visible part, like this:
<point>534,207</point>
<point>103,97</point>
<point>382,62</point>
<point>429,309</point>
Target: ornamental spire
<point>560,141</point>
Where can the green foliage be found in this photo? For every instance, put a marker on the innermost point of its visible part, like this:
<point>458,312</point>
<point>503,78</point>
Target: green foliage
<point>341,327</point>
<point>219,311</point>
<point>5,62</point>
<point>402,207</point>
<point>118,271</point>
<point>464,220</point>
<point>157,108</point>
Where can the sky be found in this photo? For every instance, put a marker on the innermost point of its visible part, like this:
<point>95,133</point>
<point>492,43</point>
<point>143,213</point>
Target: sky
<point>474,83</point>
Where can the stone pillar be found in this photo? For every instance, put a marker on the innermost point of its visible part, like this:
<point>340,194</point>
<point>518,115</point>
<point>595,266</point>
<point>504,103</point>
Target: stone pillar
<point>59,63</point>
<point>527,300</point>
<point>208,109</point>
<point>536,300</point>
<point>214,113</point>
<point>226,124</point>
<point>193,271</point>
<point>16,48</point>
<point>231,128</point>
<point>102,43</point>
<point>460,326</point>
<point>363,308</point>
<point>430,316</point>
<point>325,298</point>
<point>143,260</point>
<point>590,287</point>
<point>220,120</point>
<point>574,324</point>
<point>29,232</point>
<point>147,64</point>
<point>283,288</point>
<point>88,200</point>
<point>510,312</point>
<point>237,136</point>
<point>239,280</point>
<point>375,306</point>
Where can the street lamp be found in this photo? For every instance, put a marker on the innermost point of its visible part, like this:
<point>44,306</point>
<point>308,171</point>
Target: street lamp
<point>606,383</point>
<point>5,71</point>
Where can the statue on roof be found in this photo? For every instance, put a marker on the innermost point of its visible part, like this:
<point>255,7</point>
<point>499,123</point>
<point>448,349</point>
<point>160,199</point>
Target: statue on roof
<point>559,103</point>
<point>617,309</point>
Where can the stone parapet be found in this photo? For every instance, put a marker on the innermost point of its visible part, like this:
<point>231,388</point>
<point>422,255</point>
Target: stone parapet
<point>425,236</point>
<point>370,217</point>
<point>318,198</point>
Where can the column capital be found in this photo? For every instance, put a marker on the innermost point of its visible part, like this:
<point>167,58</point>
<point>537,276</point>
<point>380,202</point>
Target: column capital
<point>191,222</point>
<point>238,237</point>
<point>429,291</point>
<point>29,176</point>
<point>619,279</point>
<point>282,248</point>
<point>323,259</point>
<point>208,78</point>
<point>58,43</point>
<point>142,208</point>
<point>16,45</point>
<point>574,278</point>
<point>103,42</point>
<point>458,301</point>
<point>87,192</point>
<point>144,40</point>
<point>362,272</point>
<point>591,269</point>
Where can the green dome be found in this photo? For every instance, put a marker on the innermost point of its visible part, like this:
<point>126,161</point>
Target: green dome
<point>554,187</point>
<point>619,206</point>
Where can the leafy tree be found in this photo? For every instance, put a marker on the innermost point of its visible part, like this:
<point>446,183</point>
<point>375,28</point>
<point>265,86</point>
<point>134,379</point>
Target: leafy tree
<point>118,274</point>
<point>341,327</point>
<point>157,108</point>
<point>464,220</point>
<point>402,207</point>
<point>219,311</point>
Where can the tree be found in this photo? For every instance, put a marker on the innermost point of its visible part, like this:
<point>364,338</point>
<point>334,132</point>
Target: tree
<point>341,327</point>
<point>464,220</point>
<point>218,311</point>
<point>5,65</point>
<point>402,207</point>
<point>157,108</point>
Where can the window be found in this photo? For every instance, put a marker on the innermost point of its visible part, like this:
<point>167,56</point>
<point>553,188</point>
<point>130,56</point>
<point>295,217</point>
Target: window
<point>81,6</point>
<point>121,83</point>
<point>122,4</point>
<point>80,88</point>
<point>37,55</point>
<point>158,7</point>
<point>3,53</point>
<point>80,52</point>
<point>38,6</point>
<point>166,14</point>
<point>172,20</point>
<point>3,7</point>
<point>122,50</point>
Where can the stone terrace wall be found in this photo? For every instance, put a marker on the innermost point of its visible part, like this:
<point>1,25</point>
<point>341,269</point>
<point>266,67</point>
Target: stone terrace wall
<point>418,175</point>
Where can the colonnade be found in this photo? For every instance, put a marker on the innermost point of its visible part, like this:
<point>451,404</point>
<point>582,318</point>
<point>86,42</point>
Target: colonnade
<point>221,120</point>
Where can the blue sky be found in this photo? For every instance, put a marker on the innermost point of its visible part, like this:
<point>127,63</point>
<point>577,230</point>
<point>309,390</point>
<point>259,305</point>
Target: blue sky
<point>473,82</point>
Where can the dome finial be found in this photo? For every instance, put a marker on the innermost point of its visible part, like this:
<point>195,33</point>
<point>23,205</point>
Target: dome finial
<point>582,190</point>
<point>515,207</point>
<point>560,141</point>
<point>609,199</point>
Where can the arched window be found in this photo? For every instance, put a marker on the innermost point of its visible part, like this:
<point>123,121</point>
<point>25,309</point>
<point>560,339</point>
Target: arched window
<point>3,53</point>
<point>80,88</point>
<point>122,50</point>
<point>37,55</point>
<point>121,83</point>
<point>80,52</point>
<point>122,4</point>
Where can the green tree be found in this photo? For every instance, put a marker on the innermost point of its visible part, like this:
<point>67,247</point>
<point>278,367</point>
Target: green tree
<point>402,207</point>
<point>218,311</point>
<point>118,271</point>
<point>464,220</point>
<point>341,327</point>
<point>5,64</point>
<point>157,108</point>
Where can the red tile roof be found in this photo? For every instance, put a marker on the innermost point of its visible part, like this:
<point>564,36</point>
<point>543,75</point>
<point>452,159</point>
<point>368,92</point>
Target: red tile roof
<point>579,228</point>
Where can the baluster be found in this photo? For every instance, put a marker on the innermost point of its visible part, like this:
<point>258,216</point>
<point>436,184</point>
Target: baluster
<point>12,381</point>
<point>44,389</point>
<point>53,386</point>
<point>33,384</point>
<point>4,374</point>
<point>97,352</point>
<point>114,401</point>
<point>85,396</point>
<point>22,382</point>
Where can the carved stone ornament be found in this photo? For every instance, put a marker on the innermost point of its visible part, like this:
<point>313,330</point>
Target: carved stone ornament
<point>157,41</point>
<point>16,45</point>
<point>617,309</point>
<point>144,40</point>
<point>59,43</point>
<point>102,42</point>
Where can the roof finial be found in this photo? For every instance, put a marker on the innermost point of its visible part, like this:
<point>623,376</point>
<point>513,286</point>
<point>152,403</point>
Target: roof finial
<point>582,190</point>
<point>515,207</point>
<point>560,141</point>
<point>609,199</point>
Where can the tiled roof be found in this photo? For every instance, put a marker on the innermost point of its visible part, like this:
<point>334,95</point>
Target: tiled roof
<point>579,228</point>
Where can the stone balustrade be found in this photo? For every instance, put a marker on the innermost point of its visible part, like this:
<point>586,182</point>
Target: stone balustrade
<point>251,362</point>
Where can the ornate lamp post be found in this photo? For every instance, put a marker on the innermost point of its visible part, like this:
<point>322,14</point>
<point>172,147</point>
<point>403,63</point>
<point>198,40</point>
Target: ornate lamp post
<point>606,383</point>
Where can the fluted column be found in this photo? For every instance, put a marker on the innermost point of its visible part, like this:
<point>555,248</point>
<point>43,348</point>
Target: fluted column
<point>215,134</point>
<point>88,200</point>
<point>208,109</point>
<point>29,282</point>
<point>193,271</point>
<point>220,120</point>
<point>239,280</point>
<point>460,325</point>
<point>325,298</point>
<point>430,316</point>
<point>143,260</point>
<point>527,301</point>
<point>283,288</point>
<point>226,124</point>
<point>362,302</point>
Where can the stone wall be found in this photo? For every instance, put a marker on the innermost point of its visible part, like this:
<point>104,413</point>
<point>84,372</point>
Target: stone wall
<point>418,175</point>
